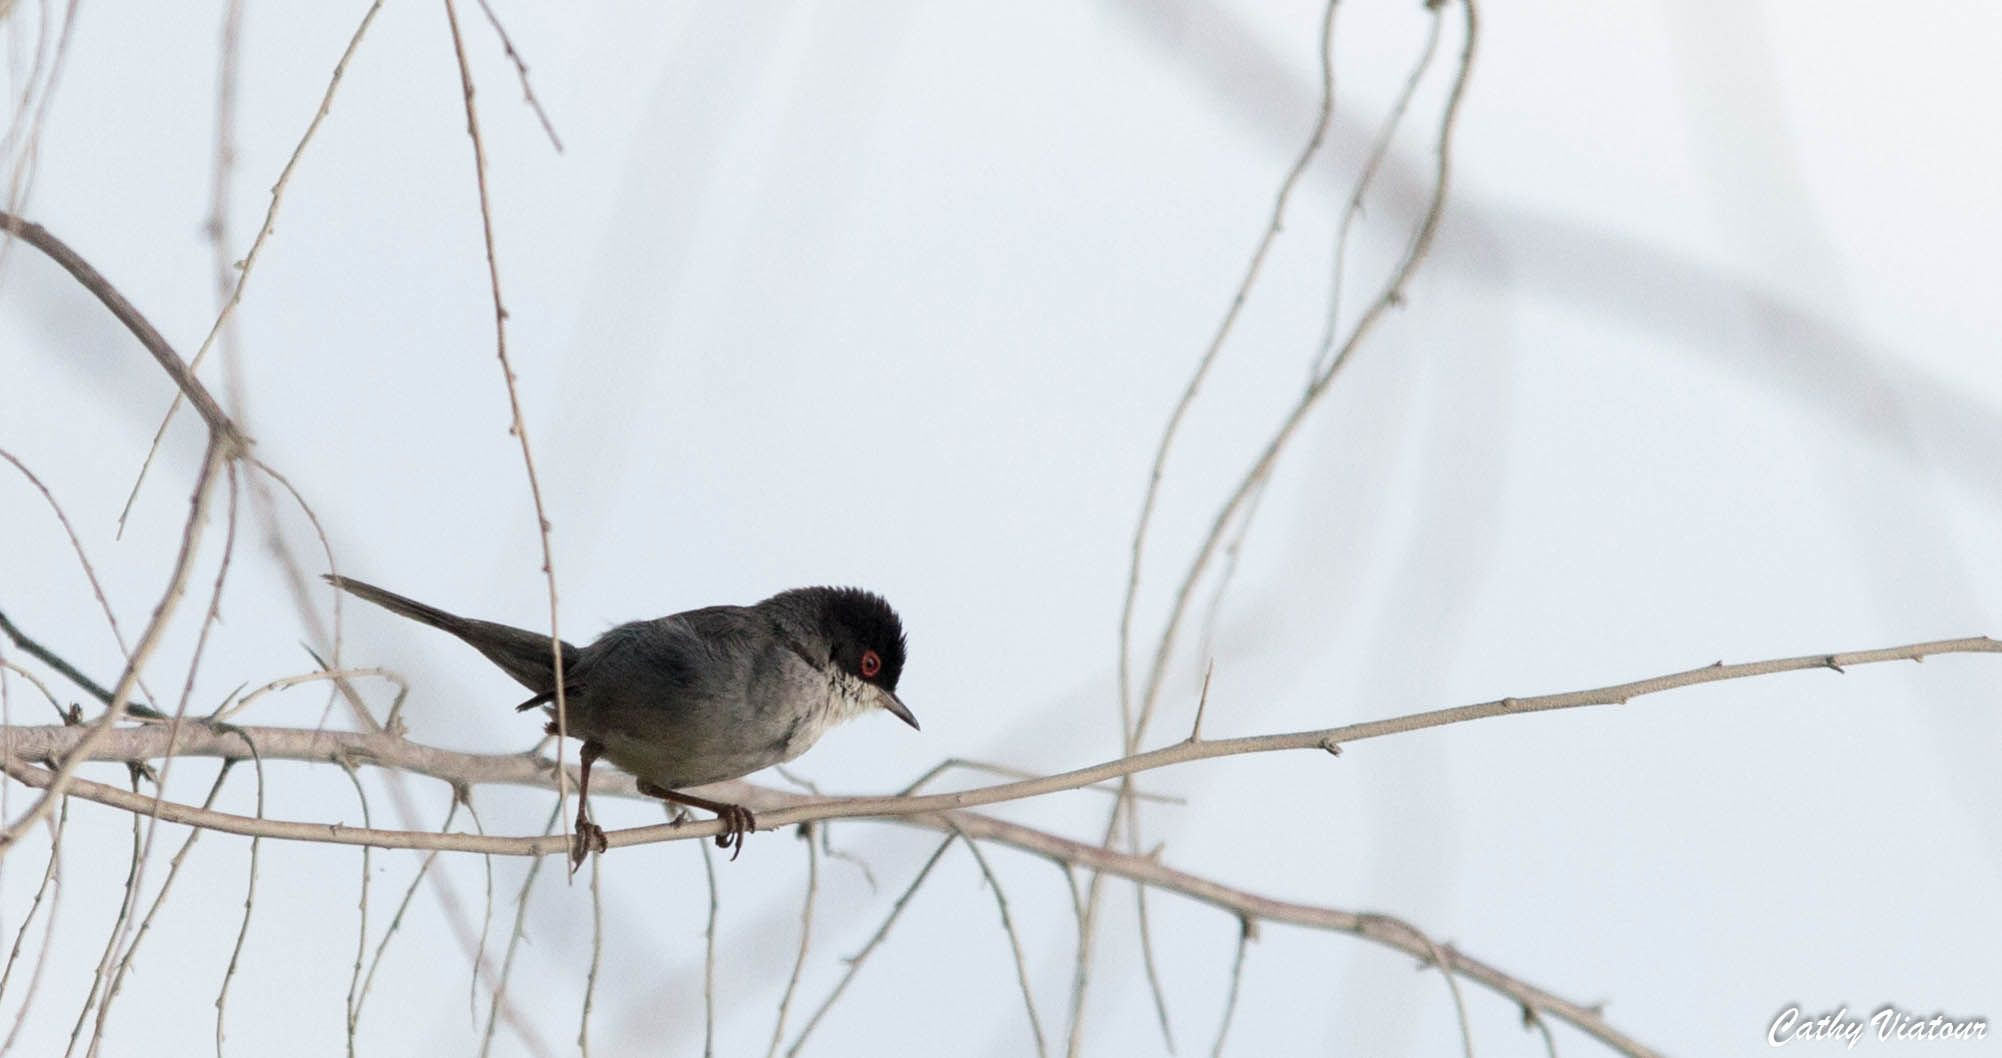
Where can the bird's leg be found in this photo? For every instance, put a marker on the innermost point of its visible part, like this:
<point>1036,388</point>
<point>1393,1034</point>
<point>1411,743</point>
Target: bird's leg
<point>737,820</point>
<point>590,836</point>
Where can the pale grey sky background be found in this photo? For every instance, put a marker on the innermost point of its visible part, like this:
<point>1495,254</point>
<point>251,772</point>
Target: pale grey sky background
<point>1700,367</point>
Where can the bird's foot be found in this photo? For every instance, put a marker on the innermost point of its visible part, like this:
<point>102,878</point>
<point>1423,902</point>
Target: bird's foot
<point>736,819</point>
<point>737,822</point>
<point>589,838</point>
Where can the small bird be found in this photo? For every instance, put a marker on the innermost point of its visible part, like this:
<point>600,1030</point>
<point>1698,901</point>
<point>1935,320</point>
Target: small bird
<point>699,696</point>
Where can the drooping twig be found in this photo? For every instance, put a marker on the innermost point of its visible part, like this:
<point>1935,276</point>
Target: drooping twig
<point>49,657</point>
<point>517,425</point>
<point>805,941</point>
<point>53,874</point>
<point>855,961</point>
<point>1014,941</point>
<point>499,999</point>
<point>1246,932</point>
<point>125,903</point>
<point>361,920</point>
<point>211,615</point>
<point>1436,956</point>
<point>249,904</point>
<point>597,958</point>
<point>396,920</point>
<point>250,259</point>
<point>1133,723</point>
<point>709,958</point>
<point>159,901</point>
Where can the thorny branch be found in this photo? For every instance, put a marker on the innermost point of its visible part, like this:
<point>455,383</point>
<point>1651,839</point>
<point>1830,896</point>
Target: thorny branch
<point>934,811</point>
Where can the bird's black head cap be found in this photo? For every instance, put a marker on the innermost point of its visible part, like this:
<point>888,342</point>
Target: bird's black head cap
<point>864,634</point>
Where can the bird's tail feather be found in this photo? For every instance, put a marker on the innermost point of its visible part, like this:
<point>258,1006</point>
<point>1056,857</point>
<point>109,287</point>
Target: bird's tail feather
<point>519,652</point>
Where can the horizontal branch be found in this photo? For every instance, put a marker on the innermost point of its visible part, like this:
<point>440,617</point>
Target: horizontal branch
<point>941,812</point>
<point>775,809</point>
<point>386,751</point>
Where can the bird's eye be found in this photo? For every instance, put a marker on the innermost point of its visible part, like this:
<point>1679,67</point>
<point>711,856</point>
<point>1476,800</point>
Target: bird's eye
<point>871,664</point>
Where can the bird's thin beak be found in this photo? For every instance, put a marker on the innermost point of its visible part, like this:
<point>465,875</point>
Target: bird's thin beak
<point>895,706</point>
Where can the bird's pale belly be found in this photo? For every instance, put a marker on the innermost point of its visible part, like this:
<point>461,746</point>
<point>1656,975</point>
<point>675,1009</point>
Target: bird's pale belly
<point>697,757</point>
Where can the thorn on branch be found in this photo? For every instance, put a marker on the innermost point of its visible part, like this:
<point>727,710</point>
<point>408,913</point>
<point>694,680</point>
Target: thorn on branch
<point>1334,748</point>
<point>1829,661</point>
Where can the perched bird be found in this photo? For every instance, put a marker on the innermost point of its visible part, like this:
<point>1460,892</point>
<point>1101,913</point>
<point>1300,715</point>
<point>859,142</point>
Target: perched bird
<point>700,696</point>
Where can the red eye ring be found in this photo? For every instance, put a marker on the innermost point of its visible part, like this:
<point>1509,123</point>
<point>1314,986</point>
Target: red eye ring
<point>871,664</point>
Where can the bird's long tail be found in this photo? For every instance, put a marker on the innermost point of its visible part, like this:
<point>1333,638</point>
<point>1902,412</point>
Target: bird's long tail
<point>519,652</point>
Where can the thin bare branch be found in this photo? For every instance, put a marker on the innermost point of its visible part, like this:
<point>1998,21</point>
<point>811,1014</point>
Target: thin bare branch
<point>521,71</point>
<point>219,424</point>
<point>229,709</point>
<point>396,920</point>
<point>465,795</point>
<point>1132,721</point>
<point>1014,941</point>
<point>498,1006</point>
<point>856,961</point>
<point>1151,966</point>
<point>950,763</point>
<point>48,657</point>
<point>361,920</point>
<point>517,426</point>
<point>21,933</point>
<point>597,957</point>
<point>149,640</point>
<point>1391,296</point>
<point>249,904</point>
<point>209,619</point>
<point>61,714</point>
<point>776,809</point>
<point>1247,931</point>
<point>56,828</point>
<point>30,743</point>
<point>125,904</point>
<point>249,263</point>
<point>1273,225</point>
<point>805,940</point>
<point>159,900</point>
<point>709,958</point>
<point>1436,956</point>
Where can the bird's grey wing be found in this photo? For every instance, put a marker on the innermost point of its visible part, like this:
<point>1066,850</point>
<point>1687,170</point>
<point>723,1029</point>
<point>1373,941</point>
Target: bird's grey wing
<point>665,697</point>
<point>664,666</point>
